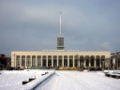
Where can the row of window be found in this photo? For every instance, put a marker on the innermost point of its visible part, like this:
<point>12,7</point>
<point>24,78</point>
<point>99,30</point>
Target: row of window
<point>102,57</point>
<point>34,61</point>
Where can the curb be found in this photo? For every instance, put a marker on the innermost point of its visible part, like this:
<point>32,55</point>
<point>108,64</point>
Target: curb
<point>42,81</point>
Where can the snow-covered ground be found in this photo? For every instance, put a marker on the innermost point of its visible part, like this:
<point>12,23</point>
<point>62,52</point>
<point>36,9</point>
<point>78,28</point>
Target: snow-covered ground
<point>61,80</point>
<point>12,80</point>
<point>75,80</point>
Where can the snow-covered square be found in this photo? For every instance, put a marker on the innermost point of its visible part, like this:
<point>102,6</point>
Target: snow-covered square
<point>75,80</point>
<point>60,80</point>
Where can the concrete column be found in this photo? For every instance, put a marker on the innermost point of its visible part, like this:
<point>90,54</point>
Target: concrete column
<point>36,61</point>
<point>106,63</point>
<point>15,60</point>
<point>41,61</point>
<point>52,60</point>
<point>95,62</point>
<point>68,61</point>
<point>25,61</point>
<point>78,61</point>
<point>62,61</point>
<point>12,60</point>
<point>100,61</point>
<point>57,62</point>
<point>46,61</point>
<point>73,61</point>
<point>20,60</point>
<point>90,62</point>
<point>31,61</point>
<point>84,63</point>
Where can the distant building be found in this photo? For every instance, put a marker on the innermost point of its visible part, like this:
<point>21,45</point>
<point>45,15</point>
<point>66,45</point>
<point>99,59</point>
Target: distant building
<point>4,61</point>
<point>115,60</point>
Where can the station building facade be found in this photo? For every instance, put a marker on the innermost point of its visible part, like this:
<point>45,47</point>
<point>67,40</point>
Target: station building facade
<point>60,58</point>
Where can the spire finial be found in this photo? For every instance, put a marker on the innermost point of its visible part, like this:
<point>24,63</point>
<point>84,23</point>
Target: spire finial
<point>60,22</point>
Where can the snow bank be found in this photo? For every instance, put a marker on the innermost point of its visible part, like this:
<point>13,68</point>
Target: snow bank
<point>112,73</point>
<point>116,71</point>
<point>39,79</point>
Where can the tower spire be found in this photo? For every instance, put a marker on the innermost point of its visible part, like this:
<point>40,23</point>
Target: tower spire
<point>60,22</point>
<point>60,38</point>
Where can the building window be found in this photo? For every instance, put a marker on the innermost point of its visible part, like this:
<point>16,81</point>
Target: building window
<point>76,60</point>
<point>38,61</point>
<point>17,61</point>
<point>87,60</point>
<point>28,61</point>
<point>44,61</point>
<point>97,61</point>
<point>92,58</point>
<point>33,61</point>
<point>71,61</point>
<point>103,61</point>
<point>55,61</point>
<point>49,61</point>
<point>60,60</point>
<point>81,61</point>
<point>23,61</point>
<point>65,61</point>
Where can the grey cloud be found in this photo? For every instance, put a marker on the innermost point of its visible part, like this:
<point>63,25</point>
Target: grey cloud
<point>34,25</point>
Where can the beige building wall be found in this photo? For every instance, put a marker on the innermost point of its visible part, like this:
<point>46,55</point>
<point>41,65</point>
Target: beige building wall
<point>79,54</point>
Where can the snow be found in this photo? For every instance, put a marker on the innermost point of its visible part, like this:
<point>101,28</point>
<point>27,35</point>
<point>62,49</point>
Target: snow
<point>112,71</point>
<point>12,80</point>
<point>61,80</point>
<point>75,80</point>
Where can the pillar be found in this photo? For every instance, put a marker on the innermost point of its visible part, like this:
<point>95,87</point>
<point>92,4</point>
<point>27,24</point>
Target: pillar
<point>62,61</point>
<point>36,61</point>
<point>25,61</point>
<point>52,60</point>
<point>100,62</point>
<point>78,61</point>
<point>46,61</point>
<point>57,62</point>
<point>95,62</point>
<point>90,62</point>
<point>84,63</point>
<point>20,61</point>
<point>68,61</point>
<point>41,61</point>
<point>14,60</point>
<point>30,64</point>
<point>73,61</point>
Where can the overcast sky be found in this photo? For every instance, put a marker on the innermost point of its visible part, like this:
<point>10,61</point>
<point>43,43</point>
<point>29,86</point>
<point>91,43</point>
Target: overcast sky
<point>32,25</point>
